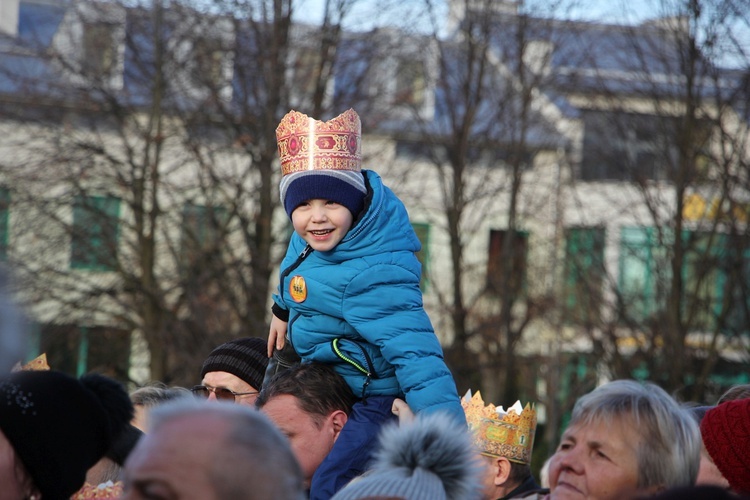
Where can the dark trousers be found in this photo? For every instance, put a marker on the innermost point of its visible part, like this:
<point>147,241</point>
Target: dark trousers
<point>353,450</point>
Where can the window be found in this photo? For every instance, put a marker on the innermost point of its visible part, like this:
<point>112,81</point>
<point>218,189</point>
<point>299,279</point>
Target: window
<point>644,273</point>
<point>201,231</point>
<point>4,216</point>
<point>515,258</point>
<point>77,350</point>
<point>709,271</point>
<point>737,285</point>
<point>584,274</point>
<point>99,50</point>
<point>208,57</point>
<point>639,147</point>
<point>95,233</point>
<point>626,147</point>
<point>411,82</point>
<point>423,233</point>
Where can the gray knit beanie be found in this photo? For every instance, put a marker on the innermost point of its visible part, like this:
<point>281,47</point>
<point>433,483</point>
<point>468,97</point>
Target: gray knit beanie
<point>245,358</point>
<point>430,459</point>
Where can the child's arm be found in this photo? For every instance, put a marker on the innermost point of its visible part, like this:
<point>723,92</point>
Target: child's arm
<point>384,304</point>
<point>276,334</point>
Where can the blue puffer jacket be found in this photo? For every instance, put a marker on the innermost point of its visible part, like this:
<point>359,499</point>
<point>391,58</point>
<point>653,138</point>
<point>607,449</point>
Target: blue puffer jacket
<point>362,309</point>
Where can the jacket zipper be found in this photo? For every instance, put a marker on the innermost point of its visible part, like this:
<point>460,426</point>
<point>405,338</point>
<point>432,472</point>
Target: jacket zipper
<point>368,371</point>
<point>302,256</point>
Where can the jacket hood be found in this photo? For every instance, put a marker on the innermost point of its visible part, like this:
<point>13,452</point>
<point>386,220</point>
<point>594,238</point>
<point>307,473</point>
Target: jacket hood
<point>384,227</point>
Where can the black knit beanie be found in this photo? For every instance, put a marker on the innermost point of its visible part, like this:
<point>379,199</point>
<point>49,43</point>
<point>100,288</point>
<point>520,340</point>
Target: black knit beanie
<point>124,444</point>
<point>245,358</point>
<point>60,426</point>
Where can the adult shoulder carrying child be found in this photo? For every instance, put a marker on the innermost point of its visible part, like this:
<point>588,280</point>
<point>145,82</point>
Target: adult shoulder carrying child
<point>349,291</point>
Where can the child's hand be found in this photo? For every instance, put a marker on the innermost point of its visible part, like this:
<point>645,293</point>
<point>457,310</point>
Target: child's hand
<point>402,411</point>
<point>276,335</point>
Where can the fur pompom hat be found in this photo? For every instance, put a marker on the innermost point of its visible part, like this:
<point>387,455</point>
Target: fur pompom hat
<point>60,426</point>
<point>431,458</point>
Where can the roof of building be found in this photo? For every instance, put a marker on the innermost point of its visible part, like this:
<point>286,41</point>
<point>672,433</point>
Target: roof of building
<point>584,57</point>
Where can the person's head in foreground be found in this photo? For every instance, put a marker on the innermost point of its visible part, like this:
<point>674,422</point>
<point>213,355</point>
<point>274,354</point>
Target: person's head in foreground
<point>431,458</point>
<point>625,439</point>
<point>53,429</point>
<point>234,371</point>
<point>725,430</point>
<point>196,450</point>
<point>310,403</point>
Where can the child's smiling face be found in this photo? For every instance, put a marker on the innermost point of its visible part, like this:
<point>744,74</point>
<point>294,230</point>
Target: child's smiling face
<point>322,223</point>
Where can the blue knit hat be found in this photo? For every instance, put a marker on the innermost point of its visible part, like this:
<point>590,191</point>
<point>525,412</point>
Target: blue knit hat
<point>345,187</point>
<point>321,160</point>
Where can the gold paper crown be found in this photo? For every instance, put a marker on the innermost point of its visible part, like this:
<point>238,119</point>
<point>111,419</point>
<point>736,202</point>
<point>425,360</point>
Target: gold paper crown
<point>309,144</point>
<point>510,435</point>
<point>37,364</point>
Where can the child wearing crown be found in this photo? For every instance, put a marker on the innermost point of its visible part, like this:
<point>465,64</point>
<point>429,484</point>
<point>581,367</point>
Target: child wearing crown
<point>349,287</point>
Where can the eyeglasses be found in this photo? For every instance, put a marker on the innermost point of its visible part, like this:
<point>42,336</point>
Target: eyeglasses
<point>222,393</point>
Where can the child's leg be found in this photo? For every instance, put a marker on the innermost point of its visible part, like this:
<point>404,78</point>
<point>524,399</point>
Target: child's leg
<point>280,361</point>
<point>352,451</point>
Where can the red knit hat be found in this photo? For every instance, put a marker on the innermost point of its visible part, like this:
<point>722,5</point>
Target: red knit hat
<point>726,435</point>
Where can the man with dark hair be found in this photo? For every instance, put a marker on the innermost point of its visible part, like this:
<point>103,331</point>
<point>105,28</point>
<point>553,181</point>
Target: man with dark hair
<point>310,403</point>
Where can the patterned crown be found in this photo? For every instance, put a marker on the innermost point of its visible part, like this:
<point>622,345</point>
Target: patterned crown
<point>309,144</point>
<point>37,364</point>
<point>498,433</point>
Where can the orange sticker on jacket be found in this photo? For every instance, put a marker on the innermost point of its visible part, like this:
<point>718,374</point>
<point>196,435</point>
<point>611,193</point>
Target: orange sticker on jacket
<point>298,288</point>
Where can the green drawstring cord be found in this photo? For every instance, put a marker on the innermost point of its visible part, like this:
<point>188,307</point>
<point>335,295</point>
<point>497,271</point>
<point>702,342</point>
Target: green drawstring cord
<point>365,371</point>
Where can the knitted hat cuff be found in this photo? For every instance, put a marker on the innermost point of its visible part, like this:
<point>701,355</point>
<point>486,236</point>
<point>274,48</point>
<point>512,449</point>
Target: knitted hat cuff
<point>345,187</point>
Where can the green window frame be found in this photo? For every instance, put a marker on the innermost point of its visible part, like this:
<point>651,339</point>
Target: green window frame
<point>644,272</point>
<point>95,233</point>
<point>737,285</point>
<point>708,272</point>
<point>584,274</point>
<point>422,230</point>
